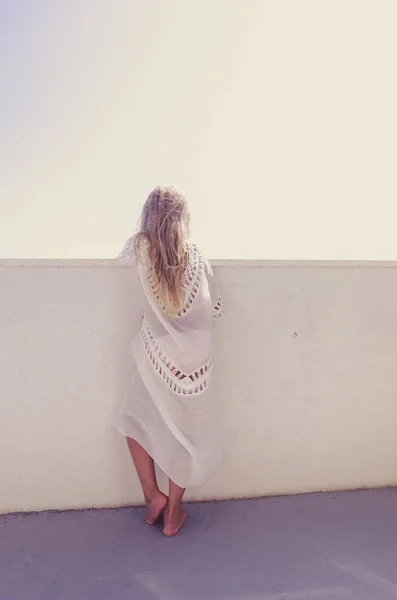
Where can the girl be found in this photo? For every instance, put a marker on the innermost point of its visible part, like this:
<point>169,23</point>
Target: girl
<point>168,414</point>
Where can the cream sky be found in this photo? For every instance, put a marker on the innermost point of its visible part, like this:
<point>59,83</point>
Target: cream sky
<point>277,119</point>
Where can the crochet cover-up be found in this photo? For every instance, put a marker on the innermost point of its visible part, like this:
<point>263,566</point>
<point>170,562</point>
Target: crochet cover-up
<point>168,404</point>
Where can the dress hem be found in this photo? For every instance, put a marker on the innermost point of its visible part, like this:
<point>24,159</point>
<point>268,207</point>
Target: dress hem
<point>165,471</point>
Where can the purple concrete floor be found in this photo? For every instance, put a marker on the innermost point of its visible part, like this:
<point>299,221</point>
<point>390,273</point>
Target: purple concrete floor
<point>317,546</point>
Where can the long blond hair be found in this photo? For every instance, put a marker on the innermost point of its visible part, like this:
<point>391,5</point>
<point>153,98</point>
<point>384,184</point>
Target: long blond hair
<point>163,236</point>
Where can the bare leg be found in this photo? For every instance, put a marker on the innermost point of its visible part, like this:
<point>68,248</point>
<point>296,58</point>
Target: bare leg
<point>175,516</point>
<point>155,500</point>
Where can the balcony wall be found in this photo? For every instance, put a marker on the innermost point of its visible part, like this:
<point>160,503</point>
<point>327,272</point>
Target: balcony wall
<point>306,380</point>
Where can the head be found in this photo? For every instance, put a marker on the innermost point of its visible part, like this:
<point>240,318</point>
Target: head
<point>164,228</point>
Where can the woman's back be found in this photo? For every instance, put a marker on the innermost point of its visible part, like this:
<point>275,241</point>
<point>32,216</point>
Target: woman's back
<point>181,344</point>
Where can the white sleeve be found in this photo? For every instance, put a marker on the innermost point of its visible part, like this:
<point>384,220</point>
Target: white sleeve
<point>126,255</point>
<point>216,298</point>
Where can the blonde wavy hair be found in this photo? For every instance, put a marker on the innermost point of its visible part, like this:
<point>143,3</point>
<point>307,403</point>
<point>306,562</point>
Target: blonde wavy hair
<point>163,237</point>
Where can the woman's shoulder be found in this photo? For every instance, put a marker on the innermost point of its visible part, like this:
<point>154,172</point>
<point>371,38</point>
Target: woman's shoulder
<point>135,250</point>
<point>127,254</point>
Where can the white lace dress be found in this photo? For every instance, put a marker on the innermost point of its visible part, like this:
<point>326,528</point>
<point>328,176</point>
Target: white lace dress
<point>168,405</point>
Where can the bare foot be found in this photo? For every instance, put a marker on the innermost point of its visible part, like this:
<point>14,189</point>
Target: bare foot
<point>155,507</point>
<point>174,523</point>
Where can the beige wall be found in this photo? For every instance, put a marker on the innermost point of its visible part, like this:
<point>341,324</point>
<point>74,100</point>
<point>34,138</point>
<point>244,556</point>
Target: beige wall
<point>306,380</point>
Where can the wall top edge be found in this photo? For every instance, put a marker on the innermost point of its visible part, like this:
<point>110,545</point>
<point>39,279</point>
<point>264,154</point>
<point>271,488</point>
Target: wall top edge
<point>114,262</point>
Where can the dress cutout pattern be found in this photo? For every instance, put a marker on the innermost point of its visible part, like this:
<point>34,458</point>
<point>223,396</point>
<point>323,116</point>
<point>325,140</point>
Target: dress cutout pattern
<point>191,283</point>
<point>180,383</point>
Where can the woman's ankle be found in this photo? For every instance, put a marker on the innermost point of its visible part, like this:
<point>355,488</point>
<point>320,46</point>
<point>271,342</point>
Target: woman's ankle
<point>173,510</point>
<point>155,495</point>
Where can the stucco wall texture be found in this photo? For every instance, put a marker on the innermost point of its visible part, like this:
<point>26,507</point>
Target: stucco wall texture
<point>306,381</point>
